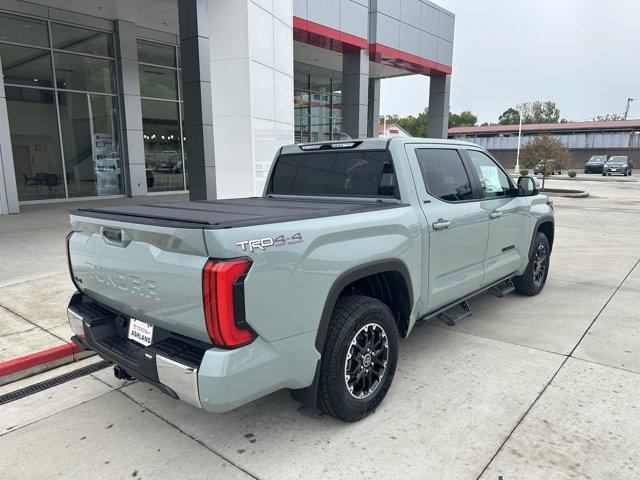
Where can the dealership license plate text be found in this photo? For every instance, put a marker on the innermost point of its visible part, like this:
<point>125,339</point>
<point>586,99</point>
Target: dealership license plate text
<point>140,332</point>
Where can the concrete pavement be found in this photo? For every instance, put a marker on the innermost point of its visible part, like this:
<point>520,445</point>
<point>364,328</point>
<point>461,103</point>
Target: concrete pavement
<point>525,388</point>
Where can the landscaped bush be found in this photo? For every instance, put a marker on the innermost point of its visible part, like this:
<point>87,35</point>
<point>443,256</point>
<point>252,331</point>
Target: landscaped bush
<point>571,173</point>
<point>524,172</point>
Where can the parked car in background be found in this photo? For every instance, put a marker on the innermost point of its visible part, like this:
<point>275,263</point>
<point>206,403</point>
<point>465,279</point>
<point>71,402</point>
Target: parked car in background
<point>595,164</point>
<point>553,169</point>
<point>618,164</point>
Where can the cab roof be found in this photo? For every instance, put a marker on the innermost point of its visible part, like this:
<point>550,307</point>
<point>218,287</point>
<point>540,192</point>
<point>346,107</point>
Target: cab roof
<point>368,144</point>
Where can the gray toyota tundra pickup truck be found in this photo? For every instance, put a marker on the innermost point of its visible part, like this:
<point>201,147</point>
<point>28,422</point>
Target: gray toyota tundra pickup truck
<point>310,286</point>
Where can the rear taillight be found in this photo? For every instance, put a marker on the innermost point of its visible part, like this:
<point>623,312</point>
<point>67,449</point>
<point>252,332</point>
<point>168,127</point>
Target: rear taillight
<point>223,297</point>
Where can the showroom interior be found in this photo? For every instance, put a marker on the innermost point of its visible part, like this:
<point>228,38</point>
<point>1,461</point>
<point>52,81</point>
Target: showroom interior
<point>140,97</point>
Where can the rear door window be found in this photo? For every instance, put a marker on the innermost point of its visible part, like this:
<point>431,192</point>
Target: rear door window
<point>357,174</point>
<point>444,174</point>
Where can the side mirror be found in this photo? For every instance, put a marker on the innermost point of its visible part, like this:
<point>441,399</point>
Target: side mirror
<point>527,187</point>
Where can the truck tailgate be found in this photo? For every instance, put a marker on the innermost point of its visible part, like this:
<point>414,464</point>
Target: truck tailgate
<point>149,272</point>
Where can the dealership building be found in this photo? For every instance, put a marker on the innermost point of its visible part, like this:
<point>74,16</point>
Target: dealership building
<point>583,139</point>
<point>137,97</point>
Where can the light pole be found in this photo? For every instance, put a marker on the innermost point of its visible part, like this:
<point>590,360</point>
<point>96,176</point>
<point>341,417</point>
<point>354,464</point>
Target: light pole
<point>517,169</point>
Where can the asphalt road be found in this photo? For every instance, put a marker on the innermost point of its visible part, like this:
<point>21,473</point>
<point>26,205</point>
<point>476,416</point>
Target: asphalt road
<point>525,388</point>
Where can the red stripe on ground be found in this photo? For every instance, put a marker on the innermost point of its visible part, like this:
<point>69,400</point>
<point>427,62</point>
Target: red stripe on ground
<point>38,358</point>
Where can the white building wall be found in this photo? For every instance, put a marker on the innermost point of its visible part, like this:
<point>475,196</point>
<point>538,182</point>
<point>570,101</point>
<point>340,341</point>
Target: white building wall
<point>252,90</point>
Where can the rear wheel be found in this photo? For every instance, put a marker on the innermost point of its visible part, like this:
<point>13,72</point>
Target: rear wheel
<point>532,281</point>
<point>359,358</point>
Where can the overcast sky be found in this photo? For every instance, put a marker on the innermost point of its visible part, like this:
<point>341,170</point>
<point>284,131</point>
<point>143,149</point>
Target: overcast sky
<point>582,54</point>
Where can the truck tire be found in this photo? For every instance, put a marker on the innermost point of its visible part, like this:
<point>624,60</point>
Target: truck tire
<point>532,281</point>
<point>359,358</point>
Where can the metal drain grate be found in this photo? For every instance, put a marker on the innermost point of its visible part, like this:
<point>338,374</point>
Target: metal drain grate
<point>53,382</point>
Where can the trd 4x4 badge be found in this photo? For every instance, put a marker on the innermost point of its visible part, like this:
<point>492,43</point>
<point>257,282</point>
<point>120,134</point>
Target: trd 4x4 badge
<point>264,243</point>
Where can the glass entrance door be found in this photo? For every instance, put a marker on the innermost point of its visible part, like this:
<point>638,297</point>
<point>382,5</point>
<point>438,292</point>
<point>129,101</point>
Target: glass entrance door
<point>60,84</point>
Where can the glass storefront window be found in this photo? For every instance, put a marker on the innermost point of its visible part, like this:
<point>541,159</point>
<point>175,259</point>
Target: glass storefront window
<point>156,82</point>
<point>320,84</point>
<point>156,53</point>
<point>301,80</point>
<point>301,132</point>
<point>35,143</point>
<point>162,145</point>
<point>318,107</point>
<point>27,31</point>
<point>337,106</point>
<point>320,129</point>
<point>160,89</point>
<point>81,156</point>
<point>337,87</point>
<point>301,103</point>
<point>91,144</point>
<point>81,40</point>
<point>26,66</point>
<point>77,72</point>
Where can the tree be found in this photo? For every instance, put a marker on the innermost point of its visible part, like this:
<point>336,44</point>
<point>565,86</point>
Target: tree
<point>510,116</point>
<point>532,112</point>
<point>545,152</point>
<point>611,117</point>
<point>463,119</point>
<point>542,112</point>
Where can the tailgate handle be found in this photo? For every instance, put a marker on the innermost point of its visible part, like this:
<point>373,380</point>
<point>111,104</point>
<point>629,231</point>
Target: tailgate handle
<point>115,236</point>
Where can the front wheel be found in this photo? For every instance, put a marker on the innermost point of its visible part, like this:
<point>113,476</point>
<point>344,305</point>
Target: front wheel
<point>359,358</point>
<point>532,281</point>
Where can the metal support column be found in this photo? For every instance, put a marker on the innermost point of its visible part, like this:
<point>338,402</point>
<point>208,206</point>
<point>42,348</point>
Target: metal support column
<point>355,92</point>
<point>439,92</point>
<point>373,121</point>
<point>196,85</point>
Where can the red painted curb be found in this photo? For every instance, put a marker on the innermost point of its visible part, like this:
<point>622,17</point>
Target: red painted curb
<point>38,358</point>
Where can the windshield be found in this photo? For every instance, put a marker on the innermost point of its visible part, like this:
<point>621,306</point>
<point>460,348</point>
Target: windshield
<point>598,159</point>
<point>617,160</point>
<point>336,174</point>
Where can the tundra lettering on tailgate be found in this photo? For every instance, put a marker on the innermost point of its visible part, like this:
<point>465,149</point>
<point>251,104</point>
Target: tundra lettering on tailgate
<point>123,281</point>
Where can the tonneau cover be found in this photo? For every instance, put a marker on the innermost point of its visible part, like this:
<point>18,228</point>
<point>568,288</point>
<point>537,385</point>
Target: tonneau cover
<point>239,212</point>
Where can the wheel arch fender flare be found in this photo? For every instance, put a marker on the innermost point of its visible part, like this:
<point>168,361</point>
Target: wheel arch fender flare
<point>546,218</point>
<point>348,277</point>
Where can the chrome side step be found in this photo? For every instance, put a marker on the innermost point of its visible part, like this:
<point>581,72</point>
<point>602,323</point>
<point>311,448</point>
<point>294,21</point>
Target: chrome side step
<point>454,314</point>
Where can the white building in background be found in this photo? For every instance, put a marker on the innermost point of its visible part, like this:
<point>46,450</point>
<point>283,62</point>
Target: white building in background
<point>133,97</point>
<point>391,130</point>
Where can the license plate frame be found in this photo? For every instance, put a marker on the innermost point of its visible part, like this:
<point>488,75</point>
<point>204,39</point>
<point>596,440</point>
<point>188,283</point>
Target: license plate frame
<point>140,332</point>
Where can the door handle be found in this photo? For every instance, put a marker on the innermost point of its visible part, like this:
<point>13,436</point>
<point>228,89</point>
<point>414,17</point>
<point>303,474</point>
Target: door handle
<point>495,214</point>
<point>441,224</point>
